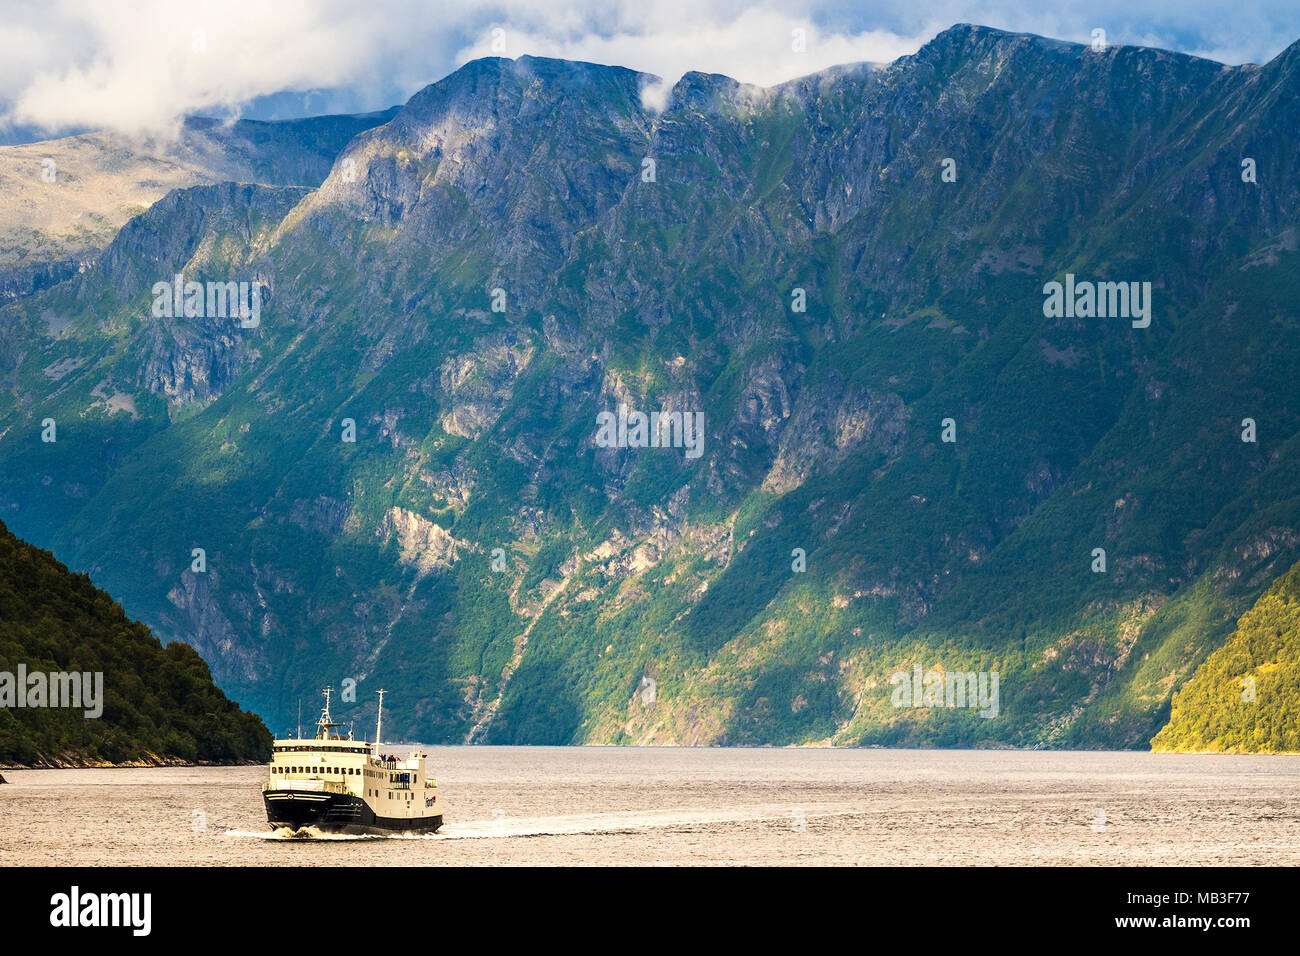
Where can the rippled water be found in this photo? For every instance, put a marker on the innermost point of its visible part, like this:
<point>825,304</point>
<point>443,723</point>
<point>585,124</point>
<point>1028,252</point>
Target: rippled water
<point>703,806</point>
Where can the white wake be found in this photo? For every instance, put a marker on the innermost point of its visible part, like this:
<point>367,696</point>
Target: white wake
<point>502,826</point>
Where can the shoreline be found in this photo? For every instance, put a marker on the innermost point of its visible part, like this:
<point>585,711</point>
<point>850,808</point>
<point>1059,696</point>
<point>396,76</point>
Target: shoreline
<point>68,762</point>
<point>154,761</point>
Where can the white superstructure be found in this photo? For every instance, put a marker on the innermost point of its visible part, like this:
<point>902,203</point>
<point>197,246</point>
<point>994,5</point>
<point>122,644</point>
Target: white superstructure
<point>335,783</point>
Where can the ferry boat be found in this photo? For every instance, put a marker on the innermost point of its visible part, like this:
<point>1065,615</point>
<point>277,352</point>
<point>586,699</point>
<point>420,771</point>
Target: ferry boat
<point>335,784</point>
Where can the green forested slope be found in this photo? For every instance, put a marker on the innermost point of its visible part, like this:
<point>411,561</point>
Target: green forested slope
<point>1246,696</point>
<point>159,703</point>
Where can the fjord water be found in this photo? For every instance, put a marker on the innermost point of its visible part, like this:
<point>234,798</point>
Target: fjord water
<point>545,805</point>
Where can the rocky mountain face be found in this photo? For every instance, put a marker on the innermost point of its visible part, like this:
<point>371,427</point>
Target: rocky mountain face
<point>876,446</point>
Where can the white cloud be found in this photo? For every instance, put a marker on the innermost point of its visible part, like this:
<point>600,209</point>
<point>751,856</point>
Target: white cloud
<point>138,65</point>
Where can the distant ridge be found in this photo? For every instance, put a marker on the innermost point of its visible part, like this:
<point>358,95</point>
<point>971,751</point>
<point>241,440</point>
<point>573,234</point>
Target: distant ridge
<point>66,198</point>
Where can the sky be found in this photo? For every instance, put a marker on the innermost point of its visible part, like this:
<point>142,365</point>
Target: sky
<point>137,66</point>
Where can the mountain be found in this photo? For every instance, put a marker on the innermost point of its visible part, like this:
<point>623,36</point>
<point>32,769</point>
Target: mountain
<point>65,199</point>
<point>154,704</point>
<point>483,282</point>
<point>1246,696</point>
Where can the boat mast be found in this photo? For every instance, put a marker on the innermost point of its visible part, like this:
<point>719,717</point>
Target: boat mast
<point>379,721</point>
<point>327,722</point>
